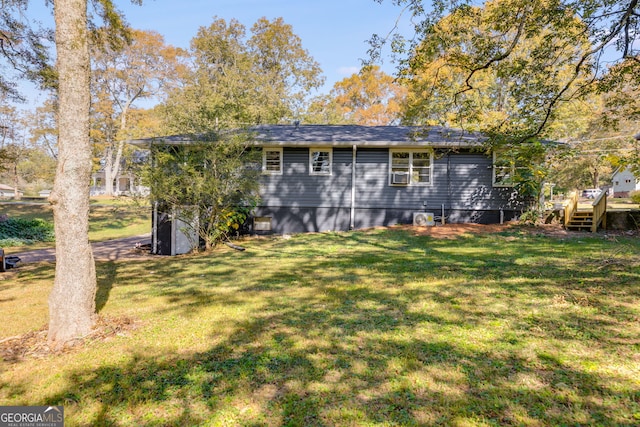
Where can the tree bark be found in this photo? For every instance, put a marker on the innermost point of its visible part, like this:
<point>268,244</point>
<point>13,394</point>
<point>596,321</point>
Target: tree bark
<point>72,300</point>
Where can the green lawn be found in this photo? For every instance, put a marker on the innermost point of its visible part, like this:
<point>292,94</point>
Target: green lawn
<point>367,328</point>
<point>108,219</point>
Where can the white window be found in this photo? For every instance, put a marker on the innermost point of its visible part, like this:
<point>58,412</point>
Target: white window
<point>272,161</point>
<point>503,171</point>
<point>410,167</point>
<point>320,160</point>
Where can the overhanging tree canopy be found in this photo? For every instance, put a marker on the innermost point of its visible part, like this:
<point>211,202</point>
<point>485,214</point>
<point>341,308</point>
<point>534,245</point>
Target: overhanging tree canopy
<point>603,32</point>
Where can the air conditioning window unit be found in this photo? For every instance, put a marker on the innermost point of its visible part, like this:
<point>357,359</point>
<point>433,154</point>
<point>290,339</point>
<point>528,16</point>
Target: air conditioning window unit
<point>423,219</point>
<point>400,178</point>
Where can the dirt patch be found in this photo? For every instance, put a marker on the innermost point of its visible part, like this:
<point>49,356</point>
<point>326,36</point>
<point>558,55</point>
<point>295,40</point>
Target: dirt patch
<point>34,344</point>
<point>453,231</point>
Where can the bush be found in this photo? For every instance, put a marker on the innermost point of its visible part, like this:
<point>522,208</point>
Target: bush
<point>19,231</point>
<point>635,196</point>
<point>530,217</point>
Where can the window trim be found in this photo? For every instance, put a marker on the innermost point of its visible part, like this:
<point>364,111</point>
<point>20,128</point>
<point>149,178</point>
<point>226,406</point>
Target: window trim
<point>321,149</point>
<point>494,173</point>
<point>265,171</point>
<point>410,172</point>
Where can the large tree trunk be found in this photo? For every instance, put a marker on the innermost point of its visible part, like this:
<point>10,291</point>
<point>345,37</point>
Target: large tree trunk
<point>72,300</point>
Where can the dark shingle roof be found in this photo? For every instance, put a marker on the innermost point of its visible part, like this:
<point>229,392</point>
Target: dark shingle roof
<point>370,136</point>
<point>346,136</point>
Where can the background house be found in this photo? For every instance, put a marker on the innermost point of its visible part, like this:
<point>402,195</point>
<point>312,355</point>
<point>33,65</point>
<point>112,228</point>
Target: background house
<point>9,192</point>
<point>125,184</point>
<point>127,180</point>
<point>624,182</point>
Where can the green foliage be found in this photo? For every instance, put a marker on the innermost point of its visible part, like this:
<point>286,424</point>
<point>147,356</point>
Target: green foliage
<point>635,196</point>
<point>21,231</point>
<point>24,49</point>
<point>238,80</point>
<point>496,69</point>
<point>528,161</point>
<point>544,54</point>
<point>228,221</point>
<point>217,174</point>
<point>530,217</point>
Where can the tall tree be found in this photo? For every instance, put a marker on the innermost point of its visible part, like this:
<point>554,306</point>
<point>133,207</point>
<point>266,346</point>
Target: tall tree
<point>454,79</point>
<point>12,143</point>
<point>122,75</point>
<point>238,81</point>
<point>610,26</point>
<point>370,97</point>
<point>72,299</point>
<point>44,128</point>
<point>288,73</point>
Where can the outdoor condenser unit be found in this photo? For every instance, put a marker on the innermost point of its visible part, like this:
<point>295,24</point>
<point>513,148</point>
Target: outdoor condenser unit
<point>423,219</point>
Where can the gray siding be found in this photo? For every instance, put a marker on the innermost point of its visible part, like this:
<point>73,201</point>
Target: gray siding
<point>296,188</point>
<point>461,184</point>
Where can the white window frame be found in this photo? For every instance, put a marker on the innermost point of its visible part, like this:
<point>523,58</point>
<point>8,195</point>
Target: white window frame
<point>411,170</point>
<point>267,171</point>
<point>499,172</point>
<point>313,150</point>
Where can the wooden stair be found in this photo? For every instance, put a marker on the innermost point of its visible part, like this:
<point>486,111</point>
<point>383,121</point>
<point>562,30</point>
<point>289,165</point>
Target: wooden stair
<point>581,220</point>
<point>590,220</point>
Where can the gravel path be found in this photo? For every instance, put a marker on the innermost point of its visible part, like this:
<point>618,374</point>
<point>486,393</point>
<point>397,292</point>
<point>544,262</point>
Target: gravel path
<point>110,250</point>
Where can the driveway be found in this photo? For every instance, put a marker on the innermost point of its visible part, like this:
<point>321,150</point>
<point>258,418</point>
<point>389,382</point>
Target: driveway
<point>109,250</point>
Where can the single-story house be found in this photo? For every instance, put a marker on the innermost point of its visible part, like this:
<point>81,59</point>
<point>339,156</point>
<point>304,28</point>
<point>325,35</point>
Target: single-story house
<point>341,177</point>
<point>624,182</point>
<point>126,183</point>
<point>9,192</point>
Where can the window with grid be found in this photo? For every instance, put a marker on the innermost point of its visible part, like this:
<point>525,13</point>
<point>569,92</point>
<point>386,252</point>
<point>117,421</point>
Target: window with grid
<point>503,170</point>
<point>410,167</point>
<point>272,161</point>
<point>320,161</point>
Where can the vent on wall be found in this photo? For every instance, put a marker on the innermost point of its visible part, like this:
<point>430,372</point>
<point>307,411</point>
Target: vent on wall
<point>262,223</point>
<point>423,219</point>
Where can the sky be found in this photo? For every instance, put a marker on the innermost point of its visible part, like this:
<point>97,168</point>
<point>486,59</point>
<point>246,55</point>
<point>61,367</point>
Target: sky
<point>334,32</point>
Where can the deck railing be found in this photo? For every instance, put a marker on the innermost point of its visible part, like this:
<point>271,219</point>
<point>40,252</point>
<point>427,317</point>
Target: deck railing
<point>570,207</point>
<point>599,211</point>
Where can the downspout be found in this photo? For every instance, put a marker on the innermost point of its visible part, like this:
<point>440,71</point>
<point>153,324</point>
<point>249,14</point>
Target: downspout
<point>352,221</point>
<point>448,184</point>
<point>174,229</point>
<point>154,214</point>
<point>154,229</point>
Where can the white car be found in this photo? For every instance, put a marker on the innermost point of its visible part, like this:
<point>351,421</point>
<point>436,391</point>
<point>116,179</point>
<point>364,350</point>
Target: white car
<point>591,193</point>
